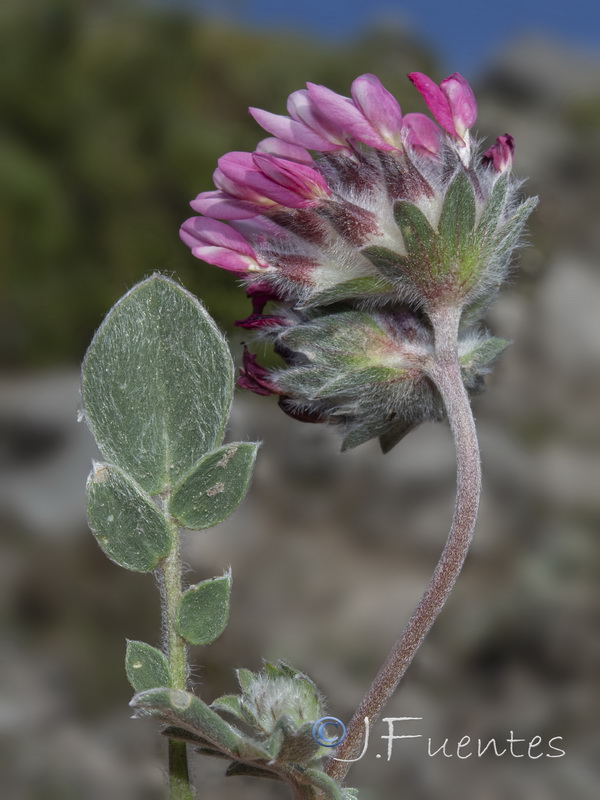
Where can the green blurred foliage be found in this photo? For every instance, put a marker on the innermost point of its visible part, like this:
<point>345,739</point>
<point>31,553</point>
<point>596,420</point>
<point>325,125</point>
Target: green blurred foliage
<point>113,116</point>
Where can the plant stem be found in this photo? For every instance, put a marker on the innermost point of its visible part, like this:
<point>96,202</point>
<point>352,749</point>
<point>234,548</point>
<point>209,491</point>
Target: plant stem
<point>445,372</point>
<point>179,781</point>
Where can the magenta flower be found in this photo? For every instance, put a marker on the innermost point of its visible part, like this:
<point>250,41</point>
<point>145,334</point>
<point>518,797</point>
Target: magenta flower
<point>372,116</point>
<point>500,154</point>
<point>422,134</point>
<point>250,183</point>
<point>305,127</point>
<point>292,152</point>
<point>221,245</point>
<point>452,103</point>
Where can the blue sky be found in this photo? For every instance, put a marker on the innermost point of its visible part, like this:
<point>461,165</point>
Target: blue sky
<point>463,34</point>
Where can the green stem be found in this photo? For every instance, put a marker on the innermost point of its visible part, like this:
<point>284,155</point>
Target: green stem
<point>445,372</point>
<point>179,780</point>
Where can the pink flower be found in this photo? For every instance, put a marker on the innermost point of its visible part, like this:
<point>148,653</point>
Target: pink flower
<point>249,184</point>
<point>305,127</point>
<point>422,134</point>
<point>372,116</point>
<point>452,103</point>
<point>221,245</point>
<point>500,154</point>
<point>292,152</point>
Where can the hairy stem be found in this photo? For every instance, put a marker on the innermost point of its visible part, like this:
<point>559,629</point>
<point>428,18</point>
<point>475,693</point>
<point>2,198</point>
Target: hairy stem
<point>445,372</point>
<point>179,781</point>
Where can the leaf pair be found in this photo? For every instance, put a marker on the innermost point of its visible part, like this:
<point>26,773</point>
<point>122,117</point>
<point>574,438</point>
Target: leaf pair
<point>157,388</point>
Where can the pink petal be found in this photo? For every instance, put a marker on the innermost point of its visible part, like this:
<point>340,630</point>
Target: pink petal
<point>296,177</point>
<point>258,227</point>
<point>436,100</point>
<point>379,107</point>
<point>226,259</point>
<point>290,130</point>
<point>422,133</point>
<point>222,206</point>
<point>262,321</point>
<point>277,147</point>
<point>261,293</point>
<point>237,188</point>
<point>198,231</point>
<point>238,175</point>
<point>236,166</point>
<point>255,377</point>
<point>302,108</point>
<point>344,113</point>
<point>273,192</point>
<point>462,102</point>
<point>500,154</point>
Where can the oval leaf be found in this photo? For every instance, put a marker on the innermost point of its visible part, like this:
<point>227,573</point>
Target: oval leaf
<point>204,610</point>
<point>157,383</point>
<point>215,486</point>
<point>126,523</point>
<point>146,667</point>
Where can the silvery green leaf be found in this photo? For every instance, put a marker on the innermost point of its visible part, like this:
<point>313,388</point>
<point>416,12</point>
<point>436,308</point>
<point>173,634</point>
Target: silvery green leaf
<point>392,265</point>
<point>508,234</point>
<point>157,383</point>
<point>146,667</point>
<point>457,218</point>
<point>246,679</point>
<point>126,523</point>
<point>329,789</point>
<point>419,237</point>
<point>230,703</point>
<point>357,288</point>
<point>173,732</point>
<point>494,209</point>
<point>204,610</point>
<point>481,354</point>
<point>214,487</point>
<point>182,709</point>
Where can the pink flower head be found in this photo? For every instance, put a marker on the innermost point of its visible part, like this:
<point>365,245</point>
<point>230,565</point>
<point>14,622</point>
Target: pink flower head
<point>372,116</point>
<point>500,154</point>
<point>452,103</point>
<point>221,245</point>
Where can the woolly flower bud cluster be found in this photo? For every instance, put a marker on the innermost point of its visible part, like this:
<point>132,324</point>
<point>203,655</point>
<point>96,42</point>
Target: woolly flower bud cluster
<point>280,705</point>
<point>352,227</point>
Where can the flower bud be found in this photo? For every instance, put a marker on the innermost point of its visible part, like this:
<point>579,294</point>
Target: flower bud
<point>281,706</point>
<point>500,155</point>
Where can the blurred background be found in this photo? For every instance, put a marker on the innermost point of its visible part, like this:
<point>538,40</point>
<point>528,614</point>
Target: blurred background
<point>112,117</point>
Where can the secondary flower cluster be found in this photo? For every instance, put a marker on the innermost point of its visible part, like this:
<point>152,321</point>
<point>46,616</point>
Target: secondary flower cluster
<point>355,224</point>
